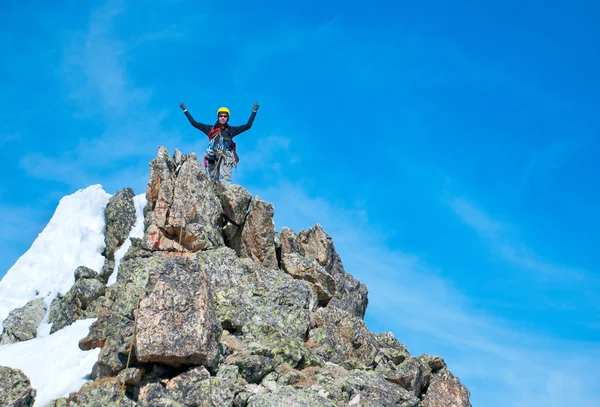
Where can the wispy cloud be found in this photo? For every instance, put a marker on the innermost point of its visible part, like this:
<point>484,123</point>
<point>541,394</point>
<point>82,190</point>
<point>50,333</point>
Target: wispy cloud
<point>98,82</point>
<point>503,244</point>
<point>550,159</point>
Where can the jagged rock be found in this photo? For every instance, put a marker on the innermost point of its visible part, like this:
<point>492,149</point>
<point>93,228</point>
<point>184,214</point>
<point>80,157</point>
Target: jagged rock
<point>84,272</point>
<point>410,374</point>
<point>229,373</point>
<point>105,393</point>
<point>431,364</point>
<point>289,241</point>
<point>159,192</point>
<point>120,218</point>
<point>77,303</point>
<point>194,387</point>
<point>248,299</point>
<point>113,330</point>
<point>341,336</point>
<point>22,323</point>
<point>181,205</point>
<point>351,296</point>
<point>235,200</point>
<point>274,317</point>
<point>446,390</point>
<point>342,387</point>
<point>15,388</point>
<point>434,363</point>
<point>290,397</point>
<point>390,350</point>
<point>252,367</point>
<point>258,235</point>
<point>310,270</point>
<point>176,323</point>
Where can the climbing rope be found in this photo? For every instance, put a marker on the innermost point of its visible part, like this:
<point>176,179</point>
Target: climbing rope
<point>137,311</point>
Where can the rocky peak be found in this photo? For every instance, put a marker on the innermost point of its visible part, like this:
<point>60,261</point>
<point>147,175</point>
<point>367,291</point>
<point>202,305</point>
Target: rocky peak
<point>213,307</point>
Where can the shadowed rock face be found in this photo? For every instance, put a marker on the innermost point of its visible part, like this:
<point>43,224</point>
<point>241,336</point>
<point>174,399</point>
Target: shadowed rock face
<point>120,218</point>
<point>15,388</point>
<point>214,308</point>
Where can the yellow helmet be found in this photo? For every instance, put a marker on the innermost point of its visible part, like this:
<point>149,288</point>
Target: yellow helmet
<point>223,110</point>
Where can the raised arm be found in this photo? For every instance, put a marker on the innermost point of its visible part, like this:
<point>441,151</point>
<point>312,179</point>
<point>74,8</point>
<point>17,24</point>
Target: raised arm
<point>204,128</point>
<point>235,130</point>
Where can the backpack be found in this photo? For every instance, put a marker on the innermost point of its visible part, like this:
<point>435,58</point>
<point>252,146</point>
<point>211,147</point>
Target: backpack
<point>217,145</point>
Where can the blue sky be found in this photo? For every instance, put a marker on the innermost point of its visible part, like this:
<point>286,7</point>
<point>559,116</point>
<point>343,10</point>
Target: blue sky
<point>450,151</point>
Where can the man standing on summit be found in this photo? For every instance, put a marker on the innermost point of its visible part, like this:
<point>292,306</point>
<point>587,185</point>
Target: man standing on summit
<point>221,155</point>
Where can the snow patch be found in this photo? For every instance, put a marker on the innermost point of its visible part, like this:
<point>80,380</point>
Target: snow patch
<point>54,364</point>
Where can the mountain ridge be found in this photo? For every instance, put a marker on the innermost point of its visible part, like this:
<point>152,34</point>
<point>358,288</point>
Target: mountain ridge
<point>212,306</point>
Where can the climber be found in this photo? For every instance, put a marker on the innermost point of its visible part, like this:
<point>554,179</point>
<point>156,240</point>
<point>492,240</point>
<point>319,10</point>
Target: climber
<point>221,155</point>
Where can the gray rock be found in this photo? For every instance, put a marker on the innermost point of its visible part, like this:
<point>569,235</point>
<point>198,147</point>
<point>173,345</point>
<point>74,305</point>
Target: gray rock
<point>252,367</point>
<point>274,317</point>
<point>310,270</point>
<point>22,323</point>
<point>107,393</point>
<point>351,295</point>
<point>248,299</point>
<point>84,272</point>
<point>289,241</point>
<point>371,390</point>
<point>120,217</point>
<point>235,200</point>
<point>258,235</point>
<point>131,376</point>
<point>390,350</point>
<point>229,373</point>
<point>183,213</point>
<point>61,402</point>
<point>290,397</point>
<point>177,323</point>
<point>410,374</point>
<point>446,390</point>
<point>78,303</point>
<point>113,330</point>
<point>107,269</point>
<point>341,336</point>
<point>193,388</point>
<point>15,388</point>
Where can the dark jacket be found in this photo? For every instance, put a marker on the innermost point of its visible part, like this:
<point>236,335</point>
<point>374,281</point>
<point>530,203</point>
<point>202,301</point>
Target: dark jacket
<point>231,131</point>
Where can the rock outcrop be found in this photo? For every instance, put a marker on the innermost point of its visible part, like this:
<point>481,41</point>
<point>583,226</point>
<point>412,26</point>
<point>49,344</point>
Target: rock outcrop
<point>15,388</point>
<point>81,301</point>
<point>120,218</point>
<point>213,307</point>
<point>22,323</point>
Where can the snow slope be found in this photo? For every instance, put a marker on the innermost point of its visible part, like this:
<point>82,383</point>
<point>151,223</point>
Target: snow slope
<point>73,237</point>
<point>54,364</point>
